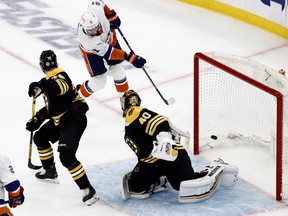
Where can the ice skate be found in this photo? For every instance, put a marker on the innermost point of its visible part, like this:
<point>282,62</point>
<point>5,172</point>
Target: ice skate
<point>161,185</point>
<point>48,175</point>
<point>89,196</point>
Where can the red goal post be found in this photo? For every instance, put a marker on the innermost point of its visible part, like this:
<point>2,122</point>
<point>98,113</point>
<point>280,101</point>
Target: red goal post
<point>235,97</point>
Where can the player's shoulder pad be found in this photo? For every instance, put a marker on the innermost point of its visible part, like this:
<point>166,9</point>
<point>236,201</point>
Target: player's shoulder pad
<point>54,72</point>
<point>133,113</point>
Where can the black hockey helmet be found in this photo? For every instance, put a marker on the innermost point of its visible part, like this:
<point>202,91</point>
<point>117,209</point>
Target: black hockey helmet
<point>48,60</point>
<point>128,99</point>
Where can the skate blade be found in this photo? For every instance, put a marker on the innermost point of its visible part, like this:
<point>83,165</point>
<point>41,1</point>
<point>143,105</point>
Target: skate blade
<point>140,196</point>
<point>160,189</point>
<point>92,200</point>
<point>52,181</point>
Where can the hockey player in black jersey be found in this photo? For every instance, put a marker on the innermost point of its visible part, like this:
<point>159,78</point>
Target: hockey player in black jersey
<point>162,158</point>
<point>65,111</point>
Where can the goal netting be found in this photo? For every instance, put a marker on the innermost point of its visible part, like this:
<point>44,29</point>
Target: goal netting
<point>237,98</point>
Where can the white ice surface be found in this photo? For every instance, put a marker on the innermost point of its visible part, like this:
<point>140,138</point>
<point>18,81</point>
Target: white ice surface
<point>167,33</point>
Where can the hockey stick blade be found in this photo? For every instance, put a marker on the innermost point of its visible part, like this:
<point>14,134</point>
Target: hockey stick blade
<point>32,166</point>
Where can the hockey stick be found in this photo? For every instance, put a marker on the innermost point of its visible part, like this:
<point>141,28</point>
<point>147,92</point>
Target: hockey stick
<point>167,102</point>
<point>4,202</point>
<point>30,165</point>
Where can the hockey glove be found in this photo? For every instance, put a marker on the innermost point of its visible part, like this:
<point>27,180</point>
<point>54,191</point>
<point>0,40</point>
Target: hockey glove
<point>14,201</point>
<point>36,88</point>
<point>78,87</point>
<point>34,123</point>
<point>114,20</point>
<point>135,60</point>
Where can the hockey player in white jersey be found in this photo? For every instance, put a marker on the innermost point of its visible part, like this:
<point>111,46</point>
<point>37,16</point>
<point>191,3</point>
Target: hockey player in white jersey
<point>10,183</point>
<point>101,51</point>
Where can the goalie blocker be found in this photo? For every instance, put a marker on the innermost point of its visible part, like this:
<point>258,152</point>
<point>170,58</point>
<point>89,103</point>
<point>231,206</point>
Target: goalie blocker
<point>195,190</point>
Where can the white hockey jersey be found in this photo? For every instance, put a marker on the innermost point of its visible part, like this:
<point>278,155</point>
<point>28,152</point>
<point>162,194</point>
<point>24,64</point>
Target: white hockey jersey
<point>7,175</point>
<point>96,44</point>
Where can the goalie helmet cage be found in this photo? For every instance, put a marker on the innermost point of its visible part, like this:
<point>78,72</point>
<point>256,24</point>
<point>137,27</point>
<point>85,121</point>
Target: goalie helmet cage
<point>235,95</point>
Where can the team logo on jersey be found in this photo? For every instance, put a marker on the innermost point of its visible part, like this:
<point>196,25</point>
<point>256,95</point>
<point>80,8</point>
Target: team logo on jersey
<point>132,145</point>
<point>131,111</point>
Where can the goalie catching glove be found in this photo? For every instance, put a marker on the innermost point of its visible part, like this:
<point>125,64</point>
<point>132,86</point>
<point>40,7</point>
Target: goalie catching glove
<point>165,147</point>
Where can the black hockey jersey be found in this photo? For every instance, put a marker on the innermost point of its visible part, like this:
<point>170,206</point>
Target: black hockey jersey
<point>142,127</point>
<point>59,93</point>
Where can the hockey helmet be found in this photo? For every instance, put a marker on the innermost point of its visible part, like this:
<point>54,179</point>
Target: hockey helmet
<point>90,23</point>
<point>48,60</point>
<point>128,99</point>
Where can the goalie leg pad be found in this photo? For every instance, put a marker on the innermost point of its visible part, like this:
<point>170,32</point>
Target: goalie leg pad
<point>230,175</point>
<point>200,189</point>
<point>124,182</point>
<point>230,178</point>
<point>127,193</point>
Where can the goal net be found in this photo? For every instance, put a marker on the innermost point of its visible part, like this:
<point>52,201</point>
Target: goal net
<point>236,98</point>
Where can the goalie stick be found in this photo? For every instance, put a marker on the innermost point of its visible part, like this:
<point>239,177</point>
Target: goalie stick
<point>30,164</point>
<point>171,100</point>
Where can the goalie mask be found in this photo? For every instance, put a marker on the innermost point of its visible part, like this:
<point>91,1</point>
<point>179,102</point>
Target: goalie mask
<point>48,60</point>
<point>129,98</point>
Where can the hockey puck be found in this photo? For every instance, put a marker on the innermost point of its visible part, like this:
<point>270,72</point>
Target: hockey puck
<point>214,137</point>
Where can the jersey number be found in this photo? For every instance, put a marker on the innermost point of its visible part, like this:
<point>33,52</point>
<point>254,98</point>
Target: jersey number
<point>144,117</point>
<point>11,169</point>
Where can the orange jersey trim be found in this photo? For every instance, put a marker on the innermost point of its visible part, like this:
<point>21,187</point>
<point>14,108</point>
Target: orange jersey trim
<point>15,193</point>
<point>107,10</point>
<point>84,91</point>
<point>6,210</point>
<point>85,53</point>
<point>117,54</point>
<point>114,40</point>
